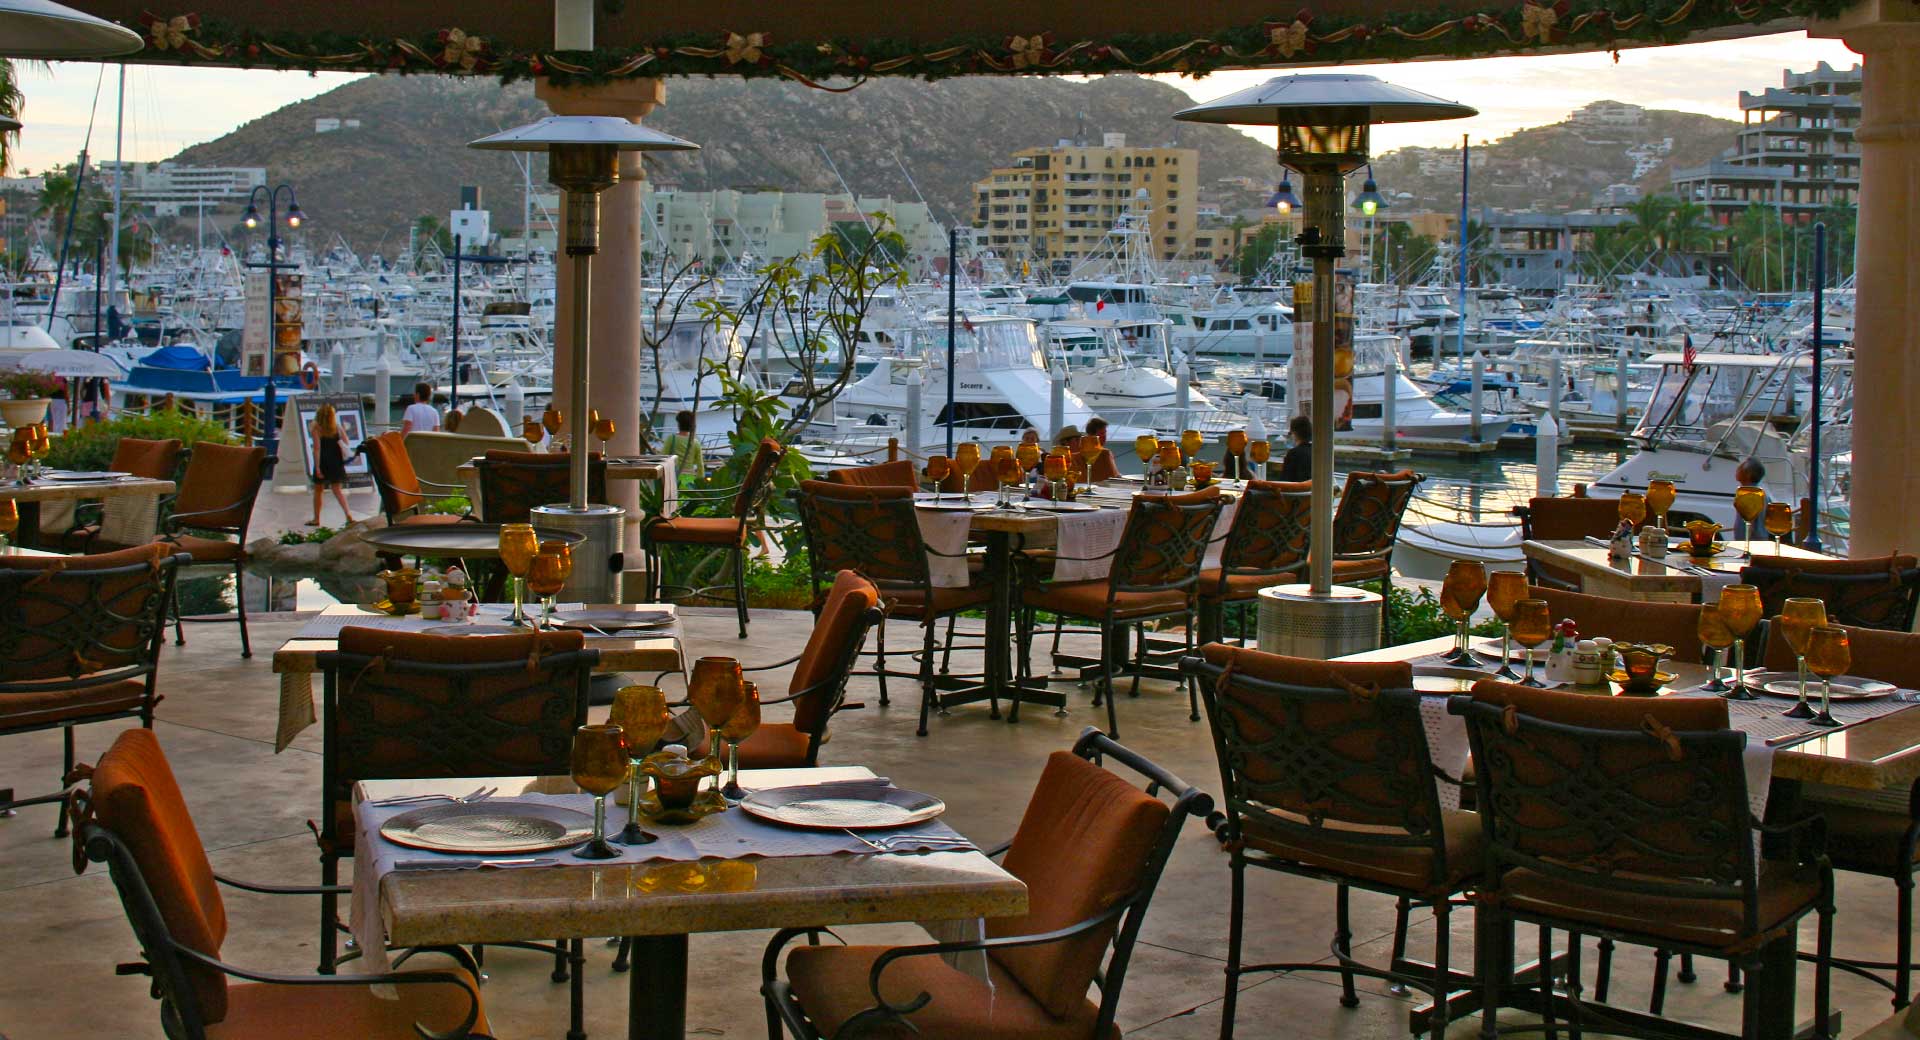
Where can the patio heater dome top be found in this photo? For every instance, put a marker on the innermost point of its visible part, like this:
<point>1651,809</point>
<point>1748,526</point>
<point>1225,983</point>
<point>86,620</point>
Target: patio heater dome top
<point>45,30</point>
<point>1315,99</point>
<point>561,131</point>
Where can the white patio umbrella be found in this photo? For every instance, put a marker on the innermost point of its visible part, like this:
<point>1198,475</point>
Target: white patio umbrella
<point>73,364</point>
<point>46,30</point>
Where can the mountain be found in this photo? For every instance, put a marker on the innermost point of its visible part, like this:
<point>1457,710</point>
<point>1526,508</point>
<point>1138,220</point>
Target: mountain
<point>407,155</point>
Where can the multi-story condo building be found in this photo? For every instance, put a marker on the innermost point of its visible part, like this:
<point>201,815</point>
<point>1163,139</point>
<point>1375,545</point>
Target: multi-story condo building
<point>1796,153</point>
<point>1057,204</point>
<point>771,225</point>
<point>169,189</point>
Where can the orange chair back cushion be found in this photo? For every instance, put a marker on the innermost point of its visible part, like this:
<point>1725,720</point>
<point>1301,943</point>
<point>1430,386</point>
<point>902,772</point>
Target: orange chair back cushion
<point>223,478</point>
<point>850,597</point>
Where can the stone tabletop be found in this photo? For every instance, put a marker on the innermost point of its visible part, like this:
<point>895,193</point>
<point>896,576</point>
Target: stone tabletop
<point>80,490</point>
<point>1641,578</point>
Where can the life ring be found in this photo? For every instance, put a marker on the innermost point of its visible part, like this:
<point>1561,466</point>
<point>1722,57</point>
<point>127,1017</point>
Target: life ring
<point>310,375</point>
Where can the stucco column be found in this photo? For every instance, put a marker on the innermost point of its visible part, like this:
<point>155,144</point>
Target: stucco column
<point>1886,421</point>
<point>613,330</point>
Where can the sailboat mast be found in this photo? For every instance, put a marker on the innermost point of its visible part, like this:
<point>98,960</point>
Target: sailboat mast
<point>112,273</point>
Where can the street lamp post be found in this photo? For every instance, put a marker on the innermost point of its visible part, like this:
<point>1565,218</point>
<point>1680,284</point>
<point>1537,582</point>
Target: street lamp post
<point>1323,123</point>
<point>273,265</point>
<point>1369,203</point>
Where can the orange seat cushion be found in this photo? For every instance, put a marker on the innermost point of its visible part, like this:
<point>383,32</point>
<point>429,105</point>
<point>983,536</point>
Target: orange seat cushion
<point>1684,714</point>
<point>1305,671</point>
<point>1401,866</point>
<point>699,530</point>
<point>1784,891</point>
<point>346,1012</point>
<point>907,602</point>
<point>775,745</point>
<point>899,473</point>
<point>1628,621</point>
<point>32,709</point>
<point>393,472</point>
<point>154,460</point>
<point>207,550</point>
<point>220,484</point>
<point>1088,599</point>
<point>831,983</point>
<point>1866,839</point>
<point>1240,586</point>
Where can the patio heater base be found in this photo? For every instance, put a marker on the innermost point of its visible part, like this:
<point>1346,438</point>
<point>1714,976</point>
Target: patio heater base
<point>1295,622</point>
<point>596,561</point>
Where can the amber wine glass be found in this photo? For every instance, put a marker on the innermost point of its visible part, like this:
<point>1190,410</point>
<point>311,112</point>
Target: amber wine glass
<point>715,689</point>
<point>1091,446</point>
<point>1191,442</point>
<point>530,431</point>
<point>1799,616</point>
<point>1716,637</point>
<point>547,576</point>
<point>966,459</point>
<point>1740,612</point>
<point>1029,456</point>
<point>1460,596</point>
<point>1504,589</point>
<point>518,546</point>
<point>604,429</point>
<point>1779,521</point>
<point>641,713</point>
<point>1749,502</point>
<point>1202,474</point>
<point>1236,443</point>
<point>9,519</point>
<point>1633,508</point>
<point>1260,452</point>
<point>1168,460</point>
<point>1828,654</point>
<point>745,720</point>
<point>552,420</point>
<point>1532,625</point>
<point>1660,495</point>
<point>939,467</point>
<point>1007,470</point>
<point>600,763</point>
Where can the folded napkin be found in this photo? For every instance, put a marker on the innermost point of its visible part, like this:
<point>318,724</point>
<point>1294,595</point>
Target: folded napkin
<point>1086,542</point>
<point>945,533</point>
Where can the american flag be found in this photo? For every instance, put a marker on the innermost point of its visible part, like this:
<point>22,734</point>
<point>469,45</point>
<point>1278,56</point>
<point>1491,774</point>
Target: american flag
<point>1687,354</point>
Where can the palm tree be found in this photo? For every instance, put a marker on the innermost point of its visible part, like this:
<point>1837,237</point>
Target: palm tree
<point>1754,241</point>
<point>1689,229</point>
<point>1649,223</point>
<point>12,103</point>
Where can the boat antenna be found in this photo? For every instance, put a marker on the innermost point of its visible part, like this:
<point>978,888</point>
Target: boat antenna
<point>843,185</point>
<point>916,189</point>
<point>73,207</point>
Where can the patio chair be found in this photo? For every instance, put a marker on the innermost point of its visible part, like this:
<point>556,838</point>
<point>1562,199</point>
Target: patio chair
<point>216,496</point>
<point>1868,592</point>
<point>80,643</point>
<point>407,705</point>
<point>1090,848</point>
<point>1628,621</point>
<point>133,818</point>
<point>875,532</point>
<point>898,473</point>
<point>1564,519</point>
<point>1326,774</point>
<point>513,482</point>
<point>1155,576</point>
<point>818,687</point>
<point>403,492</point>
<point>727,533</point>
<point>1266,545</point>
<point>1628,819</point>
<point>151,460</point>
<point>1364,528</point>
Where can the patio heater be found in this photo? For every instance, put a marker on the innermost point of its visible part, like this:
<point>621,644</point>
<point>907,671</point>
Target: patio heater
<point>1323,123</point>
<point>583,160</point>
<point>48,31</point>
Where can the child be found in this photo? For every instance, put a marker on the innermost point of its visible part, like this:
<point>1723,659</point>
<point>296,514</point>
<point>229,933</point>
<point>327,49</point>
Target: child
<point>329,455</point>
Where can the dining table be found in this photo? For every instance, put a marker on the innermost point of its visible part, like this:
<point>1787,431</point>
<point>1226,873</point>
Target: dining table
<point>657,649</point>
<point>726,872</point>
<point>1875,751</point>
<point>1674,577</point>
<point>130,504</point>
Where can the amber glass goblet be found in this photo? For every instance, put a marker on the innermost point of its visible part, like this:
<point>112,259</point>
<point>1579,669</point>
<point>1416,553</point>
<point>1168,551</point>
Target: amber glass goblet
<point>1779,521</point>
<point>642,715</point>
<point>1748,503</point>
<point>600,763</point>
<point>9,519</point>
<point>1716,637</point>
<point>1029,456</point>
<point>1236,443</point>
<point>1504,589</point>
<point>1146,446</point>
<point>553,421</point>
<point>1799,616</point>
<point>1202,474</point>
<point>518,546</point>
<point>939,467</point>
<point>1091,446</point>
<point>530,431</point>
<point>1260,452</point>
<point>604,429</point>
<point>1055,466</point>
<point>966,459</point>
<point>1460,596</point>
<point>744,722</point>
<point>1740,612</point>
<point>1660,495</point>
<point>716,688</point>
<point>1532,625</point>
<point>1008,471</point>
<point>1633,508</point>
<point>1191,442</point>
<point>545,578</point>
<point>1828,654</point>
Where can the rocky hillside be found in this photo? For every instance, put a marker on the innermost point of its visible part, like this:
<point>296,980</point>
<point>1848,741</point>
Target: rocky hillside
<point>407,155</point>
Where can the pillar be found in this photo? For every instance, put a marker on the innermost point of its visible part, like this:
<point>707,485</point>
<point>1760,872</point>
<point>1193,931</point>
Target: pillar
<point>614,354</point>
<point>1885,479</point>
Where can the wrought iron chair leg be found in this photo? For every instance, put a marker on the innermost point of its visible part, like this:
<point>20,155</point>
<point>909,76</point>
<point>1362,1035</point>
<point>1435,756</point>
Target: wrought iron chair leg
<point>1386,607</point>
<point>1106,680</point>
<point>1235,932</point>
<point>1658,1000</point>
<point>926,704</point>
<point>179,632</point>
<point>1686,969</point>
<point>1192,684</point>
<point>240,600</point>
<point>1442,951</point>
<point>880,664</point>
<point>560,960</point>
<point>926,661</point>
<point>1603,974</point>
<point>1400,908</point>
<point>1058,624</point>
<point>1139,658</point>
<point>620,955</point>
<point>1343,945</point>
<point>1546,981</point>
<point>1734,983</point>
<point>577,991</point>
<point>1903,941</point>
<point>329,909</point>
<point>1574,988</point>
<point>1488,923</point>
<point>946,652</point>
<point>1822,976</point>
<point>740,588</point>
<point>60,813</point>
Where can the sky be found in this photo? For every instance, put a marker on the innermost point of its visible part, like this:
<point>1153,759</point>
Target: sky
<point>170,108</point>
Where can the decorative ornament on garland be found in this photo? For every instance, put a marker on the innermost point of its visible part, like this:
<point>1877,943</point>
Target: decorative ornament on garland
<point>461,51</point>
<point>747,48</point>
<point>1537,20</point>
<point>1290,39</point>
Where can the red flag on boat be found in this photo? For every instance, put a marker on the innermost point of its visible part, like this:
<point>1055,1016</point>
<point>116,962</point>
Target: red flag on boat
<point>965,323</point>
<point>1687,354</point>
<point>1099,305</point>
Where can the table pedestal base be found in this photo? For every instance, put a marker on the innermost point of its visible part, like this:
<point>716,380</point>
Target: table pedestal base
<point>657,988</point>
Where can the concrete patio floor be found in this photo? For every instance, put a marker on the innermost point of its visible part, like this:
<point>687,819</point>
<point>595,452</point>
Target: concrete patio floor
<point>64,933</point>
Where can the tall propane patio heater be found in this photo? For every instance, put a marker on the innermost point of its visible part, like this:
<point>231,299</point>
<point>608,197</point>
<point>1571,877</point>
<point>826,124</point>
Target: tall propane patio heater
<point>583,160</point>
<point>1323,123</point>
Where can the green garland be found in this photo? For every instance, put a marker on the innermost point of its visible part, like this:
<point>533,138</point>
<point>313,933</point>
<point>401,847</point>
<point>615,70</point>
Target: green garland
<point>184,39</point>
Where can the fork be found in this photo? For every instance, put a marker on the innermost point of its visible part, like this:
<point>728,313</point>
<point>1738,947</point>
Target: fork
<point>479,794</point>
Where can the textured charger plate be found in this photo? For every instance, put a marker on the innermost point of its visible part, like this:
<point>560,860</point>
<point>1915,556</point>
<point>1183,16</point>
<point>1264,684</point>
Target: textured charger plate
<point>1050,506</point>
<point>488,827</point>
<point>608,620</point>
<point>1845,687</point>
<point>837,807</point>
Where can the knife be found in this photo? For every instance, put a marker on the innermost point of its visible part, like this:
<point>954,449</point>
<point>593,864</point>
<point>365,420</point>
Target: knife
<point>441,864</point>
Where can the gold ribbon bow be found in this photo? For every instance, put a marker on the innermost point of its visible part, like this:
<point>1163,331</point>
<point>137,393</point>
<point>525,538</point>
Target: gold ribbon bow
<point>170,33</point>
<point>1537,21</point>
<point>745,48</point>
<point>1659,731</point>
<point>462,50</point>
<point>1028,50</point>
<point>1288,40</point>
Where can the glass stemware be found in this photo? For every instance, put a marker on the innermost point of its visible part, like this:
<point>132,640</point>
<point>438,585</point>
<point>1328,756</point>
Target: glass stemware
<point>641,713</point>
<point>548,575</point>
<point>1660,495</point>
<point>966,459</point>
<point>1260,452</point>
<point>1749,502</point>
<point>1007,470</point>
<point>1168,460</point>
<point>1202,474</point>
<point>1828,654</point>
<point>1029,456</point>
<point>939,467</point>
<point>1633,508</point>
<point>1460,596</point>
<point>1799,616</point>
<point>600,763</point>
<point>1532,625</point>
<point>1779,521</point>
<point>1715,636</point>
<point>9,520</point>
<point>1190,444</point>
<point>530,431</point>
<point>604,429</point>
<point>1091,445</point>
<point>736,731</point>
<point>518,546</point>
<point>553,421</point>
<point>1236,444</point>
<point>1146,446</point>
<point>1504,589</point>
<point>1740,612</point>
<point>716,689</point>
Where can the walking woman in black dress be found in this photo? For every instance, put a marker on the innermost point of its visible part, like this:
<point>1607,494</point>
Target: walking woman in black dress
<point>329,457</point>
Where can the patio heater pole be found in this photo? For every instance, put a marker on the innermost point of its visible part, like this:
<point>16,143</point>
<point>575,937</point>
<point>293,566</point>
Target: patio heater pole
<point>1813,410</point>
<point>1324,241</point>
<point>453,391</point>
<point>953,295</point>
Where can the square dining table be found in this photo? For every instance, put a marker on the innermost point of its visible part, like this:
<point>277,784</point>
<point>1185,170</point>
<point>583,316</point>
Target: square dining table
<point>658,904</point>
<point>131,505</point>
<point>1676,578</point>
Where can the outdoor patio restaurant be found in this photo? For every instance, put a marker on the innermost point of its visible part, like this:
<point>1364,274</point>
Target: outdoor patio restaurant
<point>1077,738</point>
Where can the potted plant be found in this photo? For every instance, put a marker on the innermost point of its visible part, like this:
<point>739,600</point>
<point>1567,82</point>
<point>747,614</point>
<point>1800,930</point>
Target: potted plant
<point>26,397</point>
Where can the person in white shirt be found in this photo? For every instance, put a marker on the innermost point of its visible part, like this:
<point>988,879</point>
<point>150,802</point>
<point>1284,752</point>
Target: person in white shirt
<point>420,416</point>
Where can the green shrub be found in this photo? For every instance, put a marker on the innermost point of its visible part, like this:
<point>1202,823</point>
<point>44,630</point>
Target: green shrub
<point>25,386</point>
<point>90,446</point>
<point>318,534</point>
<point>782,585</point>
<point>1416,615</point>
